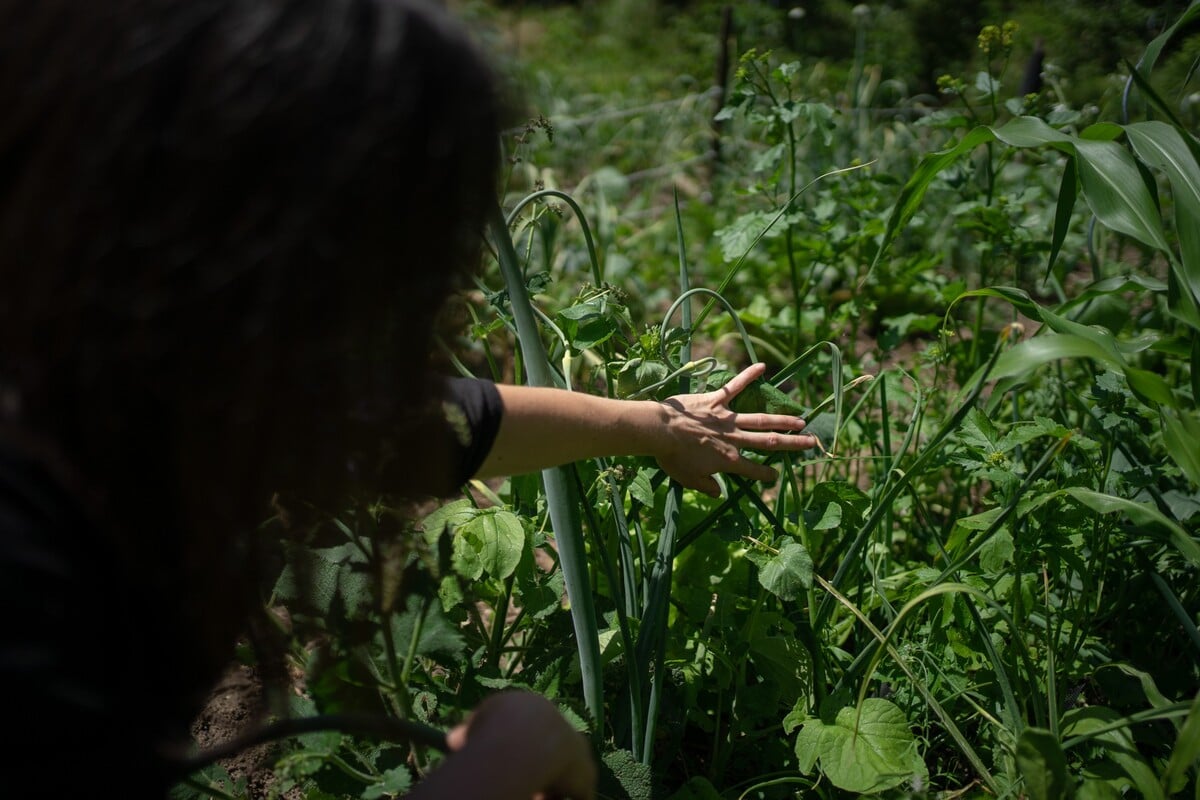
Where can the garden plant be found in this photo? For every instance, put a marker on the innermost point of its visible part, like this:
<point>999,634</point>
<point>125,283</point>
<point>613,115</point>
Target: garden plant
<point>984,582</point>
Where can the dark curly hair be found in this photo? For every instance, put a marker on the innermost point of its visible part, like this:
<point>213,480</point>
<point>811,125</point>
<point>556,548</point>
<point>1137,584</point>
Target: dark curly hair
<point>226,230</point>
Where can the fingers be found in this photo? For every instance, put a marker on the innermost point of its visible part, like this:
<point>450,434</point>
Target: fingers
<point>743,466</point>
<point>773,442</point>
<point>742,380</point>
<point>753,470</point>
<point>456,738</point>
<point>768,422</point>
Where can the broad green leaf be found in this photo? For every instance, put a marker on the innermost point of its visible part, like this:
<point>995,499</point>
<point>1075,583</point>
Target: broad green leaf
<point>1116,192</point>
<point>913,191</point>
<point>491,542</point>
<point>1030,354</point>
<point>1185,753</point>
<point>450,515</point>
<point>1017,132</point>
<point>1030,132</point>
<point>1140,513</point>
<point>743,233</point>
<point>1102,132</point>
<point>317,577</point>
<point>1042,764</point>
<point>392,782</point>
<point>1181,435</point>
<point>1117,745</point>
<point>1096,789</point>
<point>866,752</point>
<point>641,488</point>
<point>788,573</point>
<point>436,634</point>
<point>1149,687</point>
<point>541,594</point>
<point>1196,367</point>
<point>830,520</point>
<point>1150,55</point>
<point>997,552</point>
<point>981,521</point>
<point>1161,146</point>
<point>1067,192</point>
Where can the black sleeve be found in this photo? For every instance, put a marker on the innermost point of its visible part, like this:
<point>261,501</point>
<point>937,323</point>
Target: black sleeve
<point>472,410</point>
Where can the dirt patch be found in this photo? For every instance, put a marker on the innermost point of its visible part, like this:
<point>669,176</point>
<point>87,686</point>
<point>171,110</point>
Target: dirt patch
<point>234,707</point>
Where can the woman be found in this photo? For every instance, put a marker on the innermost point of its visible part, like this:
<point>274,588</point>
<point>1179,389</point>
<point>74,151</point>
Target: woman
<point>226,227</point>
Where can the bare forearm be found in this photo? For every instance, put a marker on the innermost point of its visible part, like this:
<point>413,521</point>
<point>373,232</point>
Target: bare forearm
<point>691,436</point>
<point>546,427</point>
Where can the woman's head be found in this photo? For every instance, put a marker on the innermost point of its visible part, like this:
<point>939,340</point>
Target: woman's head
<point>226,227</point>
<point>232,215</point>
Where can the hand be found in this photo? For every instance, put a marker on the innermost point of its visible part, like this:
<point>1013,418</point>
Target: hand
<point>705,436</point>
<point>514,746</point>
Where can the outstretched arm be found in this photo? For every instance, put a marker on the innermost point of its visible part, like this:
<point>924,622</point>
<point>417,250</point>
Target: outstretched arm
<point>691,436</point>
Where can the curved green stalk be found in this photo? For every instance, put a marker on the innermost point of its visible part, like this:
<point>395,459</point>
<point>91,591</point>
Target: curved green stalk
<point>561,497</point>
<point>597,274</point>
<point>687,314</point>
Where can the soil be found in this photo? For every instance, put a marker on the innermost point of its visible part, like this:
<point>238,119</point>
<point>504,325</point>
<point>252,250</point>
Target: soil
<point>234,707</point>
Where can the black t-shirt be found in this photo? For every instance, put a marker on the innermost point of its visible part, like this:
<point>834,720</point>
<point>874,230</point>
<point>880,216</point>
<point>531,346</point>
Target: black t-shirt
<point>472,409</point>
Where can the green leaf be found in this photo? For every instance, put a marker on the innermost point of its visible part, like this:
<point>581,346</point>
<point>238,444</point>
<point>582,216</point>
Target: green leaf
<point>436,634</point>
<point>739,236</point>
<point>1185,753</point>
<point>866,752</point>
<point>1117,194</point>
<point>317,577</point>
<point>914,190</point>
<point>491,542</point>
<point>760,396</point>
<point>1181,435</point>
<point>1117,745</point>
<point>997,552</point>
<point>1141,513</point>
<point>789,572</point>
<point>1032,353</point>
<point>1042,764</point>
<point>1162,147</point>
<point>641,488</point>
<point>1067,192</point>
<point>1030,132</point>
<point>450,515</point>
<point>830,520</point>
<point>1096,789</point>
<point>393,782</point>
<point>1150,56</point>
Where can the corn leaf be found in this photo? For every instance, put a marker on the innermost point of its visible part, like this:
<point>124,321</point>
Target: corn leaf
<point>1181,434</point>
<point>1185,753</point>
<point>1116,193</point>
<point>1161,146</point>
<point>1027,356</point>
